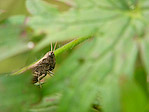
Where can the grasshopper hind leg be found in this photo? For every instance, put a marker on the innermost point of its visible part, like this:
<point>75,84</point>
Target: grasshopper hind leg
<point>39,82</point>
<point>37,78</point>
<point>40,78</point>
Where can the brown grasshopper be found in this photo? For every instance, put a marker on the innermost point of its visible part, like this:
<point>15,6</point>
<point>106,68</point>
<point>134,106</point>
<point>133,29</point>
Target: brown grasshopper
<point>44,66</point>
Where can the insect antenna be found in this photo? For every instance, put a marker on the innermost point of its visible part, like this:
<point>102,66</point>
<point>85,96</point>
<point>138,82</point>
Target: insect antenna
<point>51,47</point>
<point>55,46</point>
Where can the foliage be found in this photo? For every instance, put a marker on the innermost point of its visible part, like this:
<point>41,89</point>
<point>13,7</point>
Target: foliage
<point>106,73</point>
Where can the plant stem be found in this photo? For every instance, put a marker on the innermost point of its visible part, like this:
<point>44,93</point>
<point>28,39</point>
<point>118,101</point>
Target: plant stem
<point>70,45</point>
<point>57,52</point>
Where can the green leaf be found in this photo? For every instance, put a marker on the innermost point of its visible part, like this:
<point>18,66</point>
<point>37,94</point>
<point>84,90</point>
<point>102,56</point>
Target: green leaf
<point>17,94</point>
<point>132,97</point>
<point>48,104</point>
<point>110,95</point>
<point>145,54</point>
<point>39,7</point>
<point>81,80</point>
<point>86,77</point>
<point>124,57</point>
<point>12,7</point>
<point>11,39</point>
<point>98,75</point>
<point>67,25</point>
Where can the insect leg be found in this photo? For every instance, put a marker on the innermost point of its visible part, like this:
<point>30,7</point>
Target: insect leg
<point>39,81</point>
<point>42,76</point>
<point>51,73</point>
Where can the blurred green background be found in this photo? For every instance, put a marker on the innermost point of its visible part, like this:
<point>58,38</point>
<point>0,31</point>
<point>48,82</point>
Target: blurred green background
<point>107,72</point>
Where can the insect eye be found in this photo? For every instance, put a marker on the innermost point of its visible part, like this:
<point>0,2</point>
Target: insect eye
<point>49,53</point>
